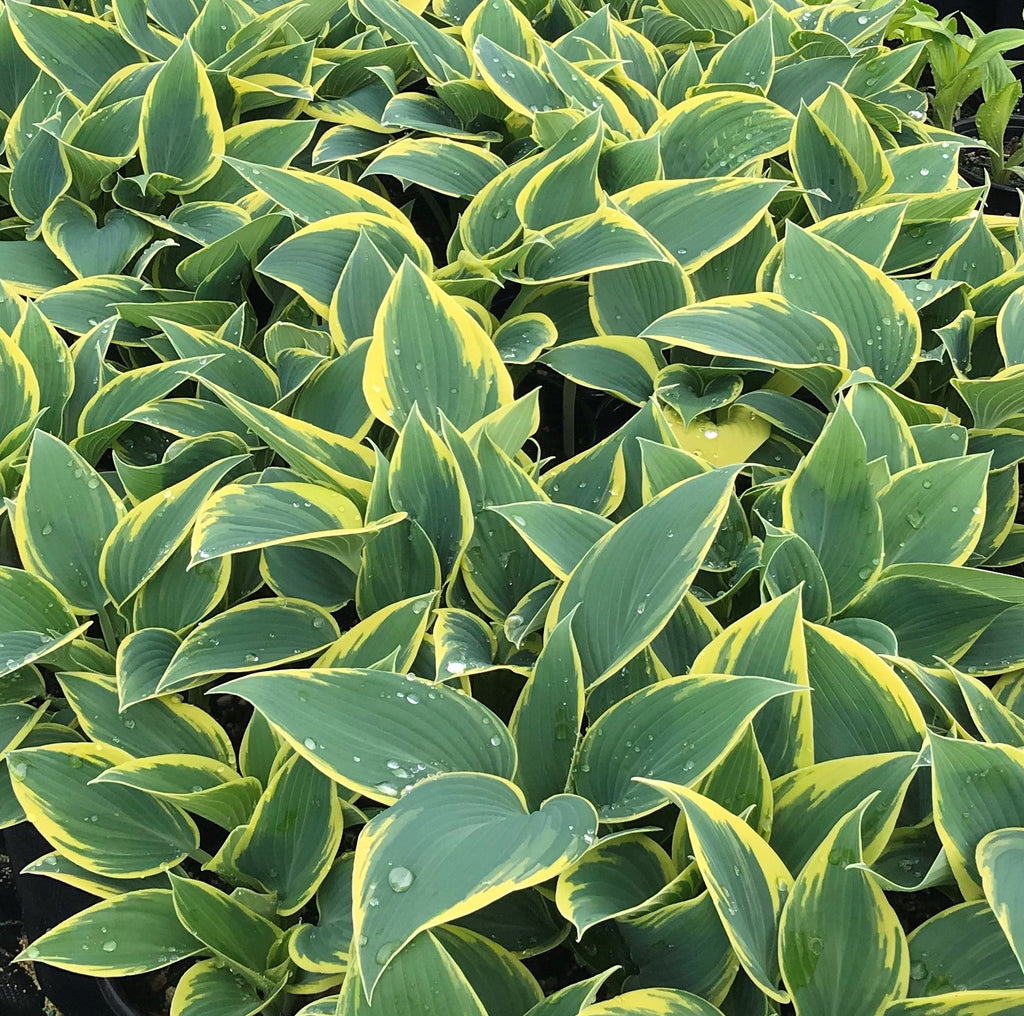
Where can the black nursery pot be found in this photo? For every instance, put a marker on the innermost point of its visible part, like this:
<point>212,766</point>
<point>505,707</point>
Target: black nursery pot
<point>44,904</point>
<point>1003,199</point>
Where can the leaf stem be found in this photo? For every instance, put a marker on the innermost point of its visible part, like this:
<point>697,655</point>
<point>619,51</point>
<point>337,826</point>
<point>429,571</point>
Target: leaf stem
<point>107,627</point>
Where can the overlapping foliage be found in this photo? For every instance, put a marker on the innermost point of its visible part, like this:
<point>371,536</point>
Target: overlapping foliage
<point>589,441</point>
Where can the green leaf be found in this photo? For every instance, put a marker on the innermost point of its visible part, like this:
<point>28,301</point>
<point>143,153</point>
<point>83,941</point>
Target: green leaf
<point>976,790</point>
<point>612,879</point>
<point>74,234</point>
<point>747,881</point>
<point>630,582</point>
<point>230,930</point>
<point>879,323</point>
<point>848,679</point>
<point>730,208</point>
<point>682,728</point>
<point>425,482</point>
<point>65,513</point>
<point>105,828</point>
<point>81,52</point>
<point>422,970</point>
<point>830,504</point>
<point>486,845</point>
<point>194,783</point>
<point>760,327</point>
<point>252,516</point>
<point>769,641</point>
<point>378,732</point>
<point>154,727</point>
<point>210,989</point>
<point>251,636</point>
<point>147,536</point>
<point>438,164</point>
<point>181,134</point>
<point>604,239</point>
<point>818,965</point>
<point>935,512</point>
<point>719,133</point>
<point>546,721</point>
<point>962,949</point>
<point>653,1002</point>
<point>808,802</point>
<point>428,350</point>
<point>293,836</point>
<point>128,934</point>
<point>998,855</point>
<point>312,261</point>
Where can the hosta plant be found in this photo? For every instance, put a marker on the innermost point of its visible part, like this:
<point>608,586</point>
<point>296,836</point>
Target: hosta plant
<point>510,509</point>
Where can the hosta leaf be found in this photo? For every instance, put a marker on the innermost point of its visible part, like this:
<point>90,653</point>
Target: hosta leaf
<point>425,482</point>
<point>65,513</point>
<point>400,625</point>
<point>546,721</point>
<point>998,856</point>
<point>962,1003</point>
<point>769,641</point>
<point>935,512</point>
<point>75,235</point>
<point>622,366</point>
<point>657,940</point>
<point>194,783</point>
<point>251,516</point>
<point>818,963</point>
<point>438,164</point>
<point>718,133</point>
<point>250,636</point>
<point>604,239</point>
<point>830,504</point>
<point>633,578</point>
<point>147,536</point>
<point>312,261</point>
<point>676,731</point>
<point>311,197</point>
<point>571,1001</point>
<point>960,949</point>
<point>81,52</point>
<point>210,989</point>
<point>880,325</point>
<point>746,879</point>
<point>154,727</point>
<point>847,678</point>
<point>230,930</point>
<point>463,644</point>
<point>786,336</point>
<point>612,878</point>
<point>730,208</point>
<point>652,1002</point>
<point>501,981</point>
<point>422,970</point>
<point>106,828</point>
<point>486,846</point>
<point>559,534</point>
<point>810,801</point>
<point>323,947</point>
<point>378,732</point>
<point>294,833</point>
<point>181,133</point>
<point>19,387</point>
<point>125,935</point>
<point>976,790</point>
<point>429,351</point>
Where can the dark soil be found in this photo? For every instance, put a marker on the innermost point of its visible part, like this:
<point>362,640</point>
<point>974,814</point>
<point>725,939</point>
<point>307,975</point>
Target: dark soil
<point>20,994</point>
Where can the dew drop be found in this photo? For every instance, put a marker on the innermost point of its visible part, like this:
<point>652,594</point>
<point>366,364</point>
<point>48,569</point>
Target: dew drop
<point>400,879</point>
